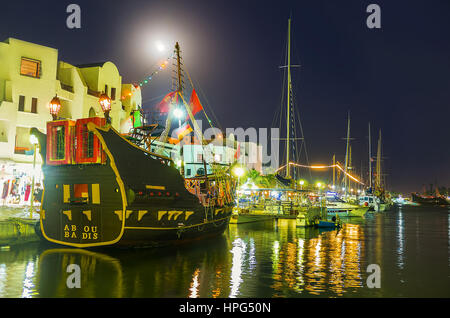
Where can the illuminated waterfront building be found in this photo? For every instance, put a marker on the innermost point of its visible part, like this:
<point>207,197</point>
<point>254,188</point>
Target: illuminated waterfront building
<point>30,76</point>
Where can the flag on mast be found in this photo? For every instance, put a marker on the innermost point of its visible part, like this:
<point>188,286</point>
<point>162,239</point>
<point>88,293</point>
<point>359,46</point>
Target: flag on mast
<point>194,104</point>
<point>238,152</point>
<point>164,105</point>
<point>183,131</point>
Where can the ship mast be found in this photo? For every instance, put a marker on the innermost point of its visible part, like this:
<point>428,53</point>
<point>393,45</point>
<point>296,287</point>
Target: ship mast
<point>179,89</point>
<point>370,160</point>
<point>179,72</point>
<point>378,179</point>
<point>346,152</point>
<point>288,99</point>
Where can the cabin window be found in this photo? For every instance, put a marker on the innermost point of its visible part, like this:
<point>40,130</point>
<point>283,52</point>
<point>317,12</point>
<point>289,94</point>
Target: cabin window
<point>59,151</point>
<point>87,142</point>
<point>371,200</point>
<point>81,191</point>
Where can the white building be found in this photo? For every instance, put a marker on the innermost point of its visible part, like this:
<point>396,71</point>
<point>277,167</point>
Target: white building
<point>30,76</point>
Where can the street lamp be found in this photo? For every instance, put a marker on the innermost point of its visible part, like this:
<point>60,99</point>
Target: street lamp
<point>34,141</point>
<point>301,182</point>
<point>54,107</point>
<point>105,103</point>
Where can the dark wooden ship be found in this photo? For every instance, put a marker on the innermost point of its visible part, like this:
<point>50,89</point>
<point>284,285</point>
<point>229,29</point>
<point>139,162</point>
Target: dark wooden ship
<point>101,189</point>
<point>429,200</point>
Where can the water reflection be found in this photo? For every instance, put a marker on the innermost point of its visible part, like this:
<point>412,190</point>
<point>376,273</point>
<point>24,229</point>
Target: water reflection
<point>251,260</point>
<point>400,238</point>
<point>238,252</point>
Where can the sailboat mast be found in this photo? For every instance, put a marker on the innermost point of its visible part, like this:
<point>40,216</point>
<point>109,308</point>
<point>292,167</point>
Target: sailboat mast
<point>334,169</point>
<point>288,99</point>
<point>165,133</point>
<point>378,179</point>
<point>370,159</point>
<point>180,83</point>
<point>346,152</point>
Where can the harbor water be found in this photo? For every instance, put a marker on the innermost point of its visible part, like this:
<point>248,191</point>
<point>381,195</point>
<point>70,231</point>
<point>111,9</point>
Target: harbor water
<point>409,245</point>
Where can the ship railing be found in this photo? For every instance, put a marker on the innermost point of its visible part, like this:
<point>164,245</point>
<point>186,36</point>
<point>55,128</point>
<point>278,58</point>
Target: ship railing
<point>217,195</point>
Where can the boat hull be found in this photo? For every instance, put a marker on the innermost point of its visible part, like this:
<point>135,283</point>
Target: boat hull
<point>347,212</point>
<point>141,201</point>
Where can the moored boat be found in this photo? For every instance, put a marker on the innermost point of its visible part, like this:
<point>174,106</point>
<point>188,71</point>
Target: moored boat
<point>118,193</point>
<point>429,199</point>
<point>337,206</point>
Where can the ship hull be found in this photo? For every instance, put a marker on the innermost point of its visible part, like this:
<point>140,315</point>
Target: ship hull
<point>132,198</point>
<point>347,212</point>
<point>429,200</point>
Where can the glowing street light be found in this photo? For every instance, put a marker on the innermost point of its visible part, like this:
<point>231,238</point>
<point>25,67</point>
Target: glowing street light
<point>301,182</point>
<point>238,172</point>
<point>54,107</point>
<point>105,103</point>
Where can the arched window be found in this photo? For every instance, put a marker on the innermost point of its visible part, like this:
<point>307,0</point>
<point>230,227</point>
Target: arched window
<point>92,112</point>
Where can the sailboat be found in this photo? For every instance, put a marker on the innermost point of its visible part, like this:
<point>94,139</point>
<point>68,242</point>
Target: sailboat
<point>436,199</point>
<point>337,206</point>
<point>376,198</point>
<point>100,189</point>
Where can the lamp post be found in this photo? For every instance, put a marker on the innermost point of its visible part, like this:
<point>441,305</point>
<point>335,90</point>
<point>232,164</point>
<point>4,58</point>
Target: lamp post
<point>34,142</point>
<point>301,184</point>
<point>238,172</point>
<point>54,107</point>
<point>105,103</point>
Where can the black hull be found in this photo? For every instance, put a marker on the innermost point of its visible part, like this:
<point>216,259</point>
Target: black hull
<point>160,238</point>
<point>429,200</point>
<point>133,199</point>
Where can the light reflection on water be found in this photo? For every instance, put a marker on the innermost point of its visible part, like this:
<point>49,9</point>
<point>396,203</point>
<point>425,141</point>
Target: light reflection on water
<point>252,260</point>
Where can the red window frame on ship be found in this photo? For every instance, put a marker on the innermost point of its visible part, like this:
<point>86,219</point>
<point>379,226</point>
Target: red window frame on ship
<point>57,144</point>
<point>89,148</point>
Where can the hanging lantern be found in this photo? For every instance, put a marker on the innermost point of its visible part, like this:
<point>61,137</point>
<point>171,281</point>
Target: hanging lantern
<point>105,103</point>
<point>54,107</point>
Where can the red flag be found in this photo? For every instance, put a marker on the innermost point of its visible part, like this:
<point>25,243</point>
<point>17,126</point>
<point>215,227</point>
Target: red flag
<point>238,152</point>
<point>194,104</point>
<point>183,131</point>
<point>164,105</point>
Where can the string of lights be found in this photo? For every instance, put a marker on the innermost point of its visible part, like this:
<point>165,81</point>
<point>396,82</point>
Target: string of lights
<point>322,167</point>
<point>148,78</point>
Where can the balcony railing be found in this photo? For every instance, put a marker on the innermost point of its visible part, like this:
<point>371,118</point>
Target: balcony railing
<point>67,87</point>
<point>93,93</point>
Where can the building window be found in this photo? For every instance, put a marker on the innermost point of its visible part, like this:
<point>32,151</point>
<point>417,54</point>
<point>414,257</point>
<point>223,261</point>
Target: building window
<point>30,67</point>
<point>23,145</point>
<point>3,131</point>
<point>21,103</point>
<point>199,157</point>
<point>200,172</point>
<point>188,172</point>
<point>218,157</point>
<point>34,105</point>
<point>113,93</point>
<point>106,89</point>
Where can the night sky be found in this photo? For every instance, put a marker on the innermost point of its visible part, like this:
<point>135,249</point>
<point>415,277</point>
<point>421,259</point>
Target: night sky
<point>396,77</point>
